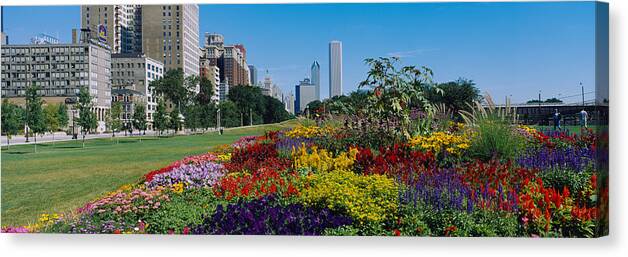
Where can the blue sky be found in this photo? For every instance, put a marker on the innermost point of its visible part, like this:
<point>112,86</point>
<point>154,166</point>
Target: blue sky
<point>506,48</point>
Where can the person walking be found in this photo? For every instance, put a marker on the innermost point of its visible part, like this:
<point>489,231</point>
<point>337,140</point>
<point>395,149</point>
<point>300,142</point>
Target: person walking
<point>583,118</point>
<point>556,118</point>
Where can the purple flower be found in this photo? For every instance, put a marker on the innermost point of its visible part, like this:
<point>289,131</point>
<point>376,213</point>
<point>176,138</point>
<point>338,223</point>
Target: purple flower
<point>195,176</point>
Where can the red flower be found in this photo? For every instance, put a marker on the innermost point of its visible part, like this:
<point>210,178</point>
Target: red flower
<point>186,230</point>
<point>397,232</point>
<point>450,229</point>
<point>117,231</point>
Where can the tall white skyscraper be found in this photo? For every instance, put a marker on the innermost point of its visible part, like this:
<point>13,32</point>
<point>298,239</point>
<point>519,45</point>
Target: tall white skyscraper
<point>335,68</point>
<point>316,78</point>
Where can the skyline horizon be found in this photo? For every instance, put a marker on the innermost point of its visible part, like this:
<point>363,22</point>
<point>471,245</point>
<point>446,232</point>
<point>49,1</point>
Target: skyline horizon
<point>566,53</point>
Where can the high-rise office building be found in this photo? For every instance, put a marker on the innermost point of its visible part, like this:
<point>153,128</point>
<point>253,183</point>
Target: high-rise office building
<point>135,72</point>
<point>210,72</point>
<point>289,103</point>
<point>305,93</point>
<point>315,73</point>
<point>252,74</point>
<point>61,70</point>
<point>119,26</point>
<point>231,59</point>
<point>170,35</point>
<point>335,68</point>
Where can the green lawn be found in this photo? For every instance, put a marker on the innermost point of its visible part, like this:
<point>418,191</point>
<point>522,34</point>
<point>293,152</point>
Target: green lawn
<point>570,128</point>
<point>64,177</point>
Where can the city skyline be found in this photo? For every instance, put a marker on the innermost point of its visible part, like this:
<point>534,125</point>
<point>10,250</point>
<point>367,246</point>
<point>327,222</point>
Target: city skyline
<point>505,53</point>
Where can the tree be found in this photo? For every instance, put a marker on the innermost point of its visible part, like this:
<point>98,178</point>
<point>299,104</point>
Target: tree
<point>395,90</point>
<point>87,118</point>
<point>114,118</point>
<point>456,95</point>
<point>275,111</point>
<point>34,112</point>
<point>175,121</point>
<point>51,119</point>
<point>174,86</point>
<point>63,115</point>
<point>316,107</point>
<point>206,91</point>
<point>12,119</point>
<point>247,99</point>
<point>554,100</point>
<point>139,117</point>
<point>229,114</point>
<point>193,116</point>
<point>160,118</point>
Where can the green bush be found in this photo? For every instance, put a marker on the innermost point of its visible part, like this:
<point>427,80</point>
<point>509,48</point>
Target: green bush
<point>479,223</point>
<point>495,138</point>
<point>184,209</point>
<point>559,178</point>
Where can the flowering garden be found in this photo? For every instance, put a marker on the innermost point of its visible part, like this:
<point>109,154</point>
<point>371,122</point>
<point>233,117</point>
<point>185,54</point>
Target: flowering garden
<point>400,167</point>
<point>312,180</point>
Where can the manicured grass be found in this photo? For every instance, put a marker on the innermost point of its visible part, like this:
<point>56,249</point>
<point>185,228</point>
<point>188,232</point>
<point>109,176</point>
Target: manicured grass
<point>571,128</point>
<point>65,176</point>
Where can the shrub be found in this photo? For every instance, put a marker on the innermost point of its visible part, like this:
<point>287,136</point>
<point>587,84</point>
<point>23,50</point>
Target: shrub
<point>185,209</point>
<point>421,222</point>
<point>495,138</point>
<point>371,198</point>
<point>560,178</point>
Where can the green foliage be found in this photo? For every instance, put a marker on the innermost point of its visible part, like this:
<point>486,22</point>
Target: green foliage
<point>479,223</point>
<point>63,115</point>
<point>12,119</point>
<point>34,115</point>
<point>559,178</point>
<point>184,209</point>
<point>455,95</point>
<point>87,118</point>
<point>395,90</point>
<point>113,118</point>
<point>274,111</point>
<point>229,114</point>
<point>174,86</point>
<point>139,116</point>
<point>175,121</point>
<point>247,99</point>
<point>206,91</point>
<point>51,117</point>
<point>495,138</point>
<point>161,119</point>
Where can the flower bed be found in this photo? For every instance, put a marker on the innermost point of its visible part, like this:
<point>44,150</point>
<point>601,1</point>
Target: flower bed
<point>288,183</point>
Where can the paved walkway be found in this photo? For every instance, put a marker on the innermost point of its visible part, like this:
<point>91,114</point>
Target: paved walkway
<point>61,136</point>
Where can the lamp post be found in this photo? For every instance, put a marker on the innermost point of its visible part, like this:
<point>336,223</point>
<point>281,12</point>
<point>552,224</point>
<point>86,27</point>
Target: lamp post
<point>218,121</point>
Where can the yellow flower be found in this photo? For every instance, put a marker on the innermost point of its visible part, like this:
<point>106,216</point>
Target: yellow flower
<point>309,131</point>
<point>178,187</point>
<point>224,157</point>
<point>370,198</point>
<point>321,160</point>
<point>435,142</point>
